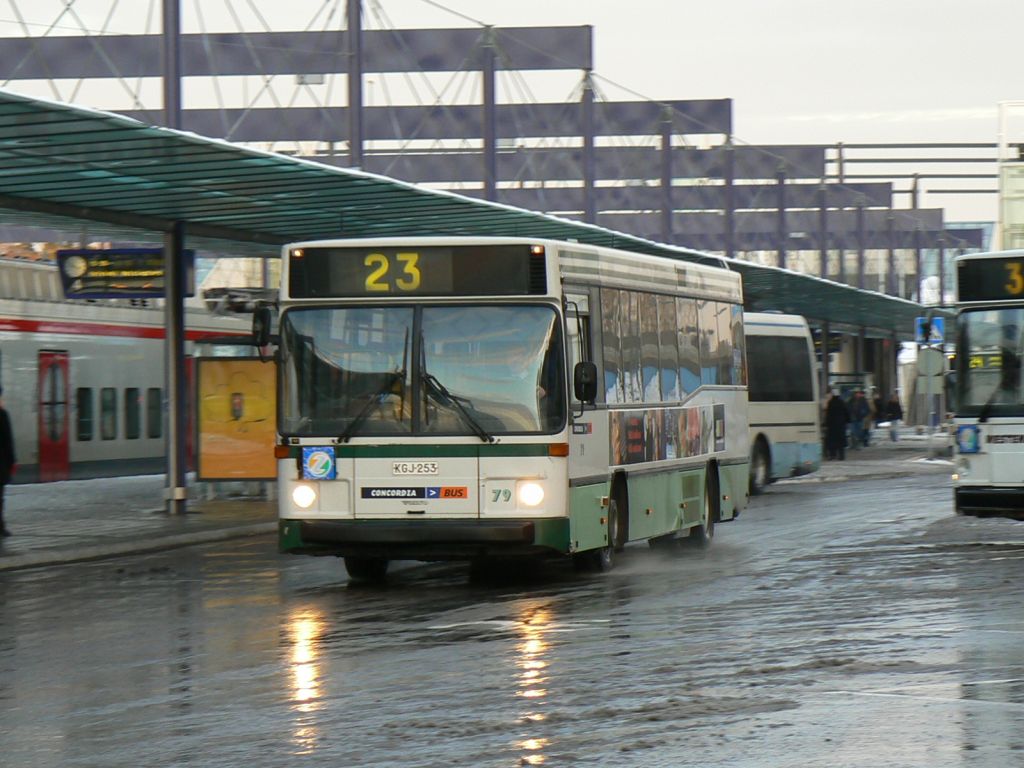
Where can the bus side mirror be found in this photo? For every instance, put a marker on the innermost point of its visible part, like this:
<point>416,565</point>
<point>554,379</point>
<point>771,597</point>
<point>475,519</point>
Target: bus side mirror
<point>584,382</point>
<point>261,327</point>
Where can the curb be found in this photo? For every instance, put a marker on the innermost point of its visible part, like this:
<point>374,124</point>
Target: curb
<point>116,549</point>
<point>936,469</point>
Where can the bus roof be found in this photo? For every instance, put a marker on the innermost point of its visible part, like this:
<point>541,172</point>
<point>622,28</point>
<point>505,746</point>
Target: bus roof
<point>763,323</point>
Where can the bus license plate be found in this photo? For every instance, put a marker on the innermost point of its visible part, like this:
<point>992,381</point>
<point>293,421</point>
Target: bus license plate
<point>414,468</point>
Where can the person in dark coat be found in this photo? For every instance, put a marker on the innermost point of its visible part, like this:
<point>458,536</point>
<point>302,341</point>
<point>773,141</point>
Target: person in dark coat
<point>837,416</point>
<point>893,414</point>
<point>7,459</point>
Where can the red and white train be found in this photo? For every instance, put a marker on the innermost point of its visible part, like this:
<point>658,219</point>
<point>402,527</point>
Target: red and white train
<point>83,381</point>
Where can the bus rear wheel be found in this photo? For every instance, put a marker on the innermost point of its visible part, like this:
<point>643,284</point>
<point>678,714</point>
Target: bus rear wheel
<point>758,468</point>
<point>369,569</point>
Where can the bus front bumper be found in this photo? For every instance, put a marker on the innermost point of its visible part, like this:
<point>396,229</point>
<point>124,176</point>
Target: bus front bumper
<point>426,539</point>
<point>983,501</point>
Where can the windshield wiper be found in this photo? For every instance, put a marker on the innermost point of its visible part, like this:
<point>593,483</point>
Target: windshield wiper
<point>377,398</point>
<point>440,393</point>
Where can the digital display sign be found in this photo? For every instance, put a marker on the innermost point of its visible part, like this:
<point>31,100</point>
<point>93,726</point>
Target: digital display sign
<point>999,278</point>
<point>408,270</point>
<point>118,273</point>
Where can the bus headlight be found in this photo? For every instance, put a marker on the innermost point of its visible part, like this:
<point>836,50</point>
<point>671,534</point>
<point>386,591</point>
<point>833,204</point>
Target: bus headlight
<point>304,496</point>
<point>530,494</point>
<point>963,469</point>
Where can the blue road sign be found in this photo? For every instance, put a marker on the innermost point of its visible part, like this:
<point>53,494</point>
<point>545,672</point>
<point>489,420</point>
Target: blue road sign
<point>937,332</point>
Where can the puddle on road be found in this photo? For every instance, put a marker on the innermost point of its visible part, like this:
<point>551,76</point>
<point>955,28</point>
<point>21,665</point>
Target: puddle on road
<point>1000,692</point>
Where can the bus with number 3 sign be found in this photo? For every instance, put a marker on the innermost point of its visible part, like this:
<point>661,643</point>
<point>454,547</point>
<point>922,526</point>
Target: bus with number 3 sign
<point>989,397</point>
<point>482,399</point>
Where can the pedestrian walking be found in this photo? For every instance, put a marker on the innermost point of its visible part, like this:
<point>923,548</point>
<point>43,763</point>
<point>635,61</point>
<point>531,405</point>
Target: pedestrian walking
<point>877,412</point>
<point>7,459</point>
<point>837,416</point>
<point>894,414</point>
<point>859,413</point>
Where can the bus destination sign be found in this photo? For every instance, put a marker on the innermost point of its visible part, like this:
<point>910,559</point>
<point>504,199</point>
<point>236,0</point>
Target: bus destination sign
<point>118,273</point>
<point>1000,278</point>
<point>394,272</point>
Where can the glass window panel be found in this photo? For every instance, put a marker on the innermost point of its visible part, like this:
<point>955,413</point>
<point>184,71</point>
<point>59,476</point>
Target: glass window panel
<point>108,413</point>
<point>779,369</point>
<point>707,322</point>
<point>990,348</point>
<point>83,406</point>
<point>499,367</point>
<point>739,346</point>
<point>132,414</point>
<point>611,350</point>
<point>723,349</point>
<point>668,351</point>
<point>629,303</point>
<point>154,412</point>
<point>689,350</point>
<point>345,366</point>
<point>650,363</point>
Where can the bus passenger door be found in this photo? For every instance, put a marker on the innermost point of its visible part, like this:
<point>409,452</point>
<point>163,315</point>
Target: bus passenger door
<point>54,461</point>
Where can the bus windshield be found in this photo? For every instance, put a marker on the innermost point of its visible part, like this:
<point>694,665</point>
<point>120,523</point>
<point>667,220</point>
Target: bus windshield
<point>440,370</point>
<point>991,345</point>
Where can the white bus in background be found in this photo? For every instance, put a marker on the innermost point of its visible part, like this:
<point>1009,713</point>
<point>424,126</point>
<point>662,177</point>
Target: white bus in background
<point>784,406</point>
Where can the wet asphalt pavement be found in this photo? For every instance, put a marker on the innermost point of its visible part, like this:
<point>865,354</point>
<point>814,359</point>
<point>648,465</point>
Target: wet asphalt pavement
<point>835,624</point>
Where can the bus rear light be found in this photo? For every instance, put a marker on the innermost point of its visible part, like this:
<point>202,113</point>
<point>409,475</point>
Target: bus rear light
<point>282,452</point>
<point>558,449</point>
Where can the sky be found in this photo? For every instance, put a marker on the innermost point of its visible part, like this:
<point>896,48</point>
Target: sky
<point>798,71</point>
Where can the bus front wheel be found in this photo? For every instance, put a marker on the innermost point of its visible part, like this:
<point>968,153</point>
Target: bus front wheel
<point>703,533</point>
<point>602,558</point>
<point>372,569</point>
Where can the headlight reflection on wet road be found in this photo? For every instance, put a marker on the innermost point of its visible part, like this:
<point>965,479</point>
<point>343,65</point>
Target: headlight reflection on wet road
<point>304,630</point>
<point>531,659</point>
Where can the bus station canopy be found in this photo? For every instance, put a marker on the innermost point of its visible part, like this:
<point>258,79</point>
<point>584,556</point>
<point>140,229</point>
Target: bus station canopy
<point>71,168</point>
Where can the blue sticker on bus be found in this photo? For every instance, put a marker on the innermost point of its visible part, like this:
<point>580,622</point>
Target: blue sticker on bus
<point>318,463</point>
<point>967,438</point>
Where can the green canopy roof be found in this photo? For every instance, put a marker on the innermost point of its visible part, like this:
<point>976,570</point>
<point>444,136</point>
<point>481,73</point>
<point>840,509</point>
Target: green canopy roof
<point>64,165</point>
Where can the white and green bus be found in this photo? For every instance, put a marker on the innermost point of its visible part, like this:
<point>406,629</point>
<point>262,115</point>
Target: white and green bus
<point>989,392</point>
<point>487,398</point>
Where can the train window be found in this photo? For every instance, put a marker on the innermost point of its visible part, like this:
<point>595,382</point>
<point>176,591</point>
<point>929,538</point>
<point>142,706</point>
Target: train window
<point>132,414</point>
<point>108,413</point>
<point>154,412</point>
<point>83,403</point>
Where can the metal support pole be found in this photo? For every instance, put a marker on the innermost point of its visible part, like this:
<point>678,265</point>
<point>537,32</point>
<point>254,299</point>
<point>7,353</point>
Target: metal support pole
<point>490,117</point>
<point>172,63</point>
<point>782,234</point>
<point>915,293</point>
<point>589,162</point>
<point>861,239</point>
<point>728,177</point>
<point>942,270</point>
<point>667,205</point>
<point>823,229</point>
<point>355,83</point>
<point>860,364</point>
<point>824,355</point>
<point>174,367</point>
<point>890,278</point>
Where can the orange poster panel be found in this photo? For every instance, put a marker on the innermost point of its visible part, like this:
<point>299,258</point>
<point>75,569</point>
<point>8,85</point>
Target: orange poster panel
<point>237,401</point>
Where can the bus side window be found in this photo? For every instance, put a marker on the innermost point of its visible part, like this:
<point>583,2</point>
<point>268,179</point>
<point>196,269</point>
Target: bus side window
<point>578,339</point>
